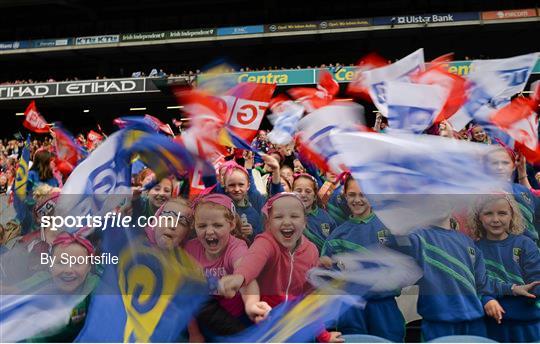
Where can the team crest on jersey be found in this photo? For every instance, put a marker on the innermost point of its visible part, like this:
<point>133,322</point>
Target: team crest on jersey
<point>516,254</point>
<point>325,229</point>
<point>382,236</point>
<point>472,253</point>
<point>526,197</point>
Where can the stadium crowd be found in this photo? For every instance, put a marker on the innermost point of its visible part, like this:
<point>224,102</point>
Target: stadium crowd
<point>282,214</point>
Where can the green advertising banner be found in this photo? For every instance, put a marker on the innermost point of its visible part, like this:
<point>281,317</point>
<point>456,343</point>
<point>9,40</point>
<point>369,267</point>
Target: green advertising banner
<point>279,77</point>
<point>290,77</point>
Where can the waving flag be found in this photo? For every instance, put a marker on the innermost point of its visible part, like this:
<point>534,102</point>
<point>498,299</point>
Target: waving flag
<point>520,122</point>
<point>375,79</point>
<point>160,125</point>
<point>314,98</point>
<point>30,313</point>
<point>20,184</point>
<point>246,105</point>
<point>357,87</point>
<point>493,83</point>
<point>301,320</point>
<point>100,183</point>
<point>314,130</point>
<point>455,85</point>
<point>285,117</point>
<point>33,120</point>
<point>66,148</point>
<point>93,138</point>
<point>208,117</point>
<point>149,296</point>
<point>161,154</point>
<point>413,107</point>
<point>413,181</point>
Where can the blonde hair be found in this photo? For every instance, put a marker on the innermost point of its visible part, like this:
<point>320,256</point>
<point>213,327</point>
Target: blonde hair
<point>42,191</point>
<point>478,231</point>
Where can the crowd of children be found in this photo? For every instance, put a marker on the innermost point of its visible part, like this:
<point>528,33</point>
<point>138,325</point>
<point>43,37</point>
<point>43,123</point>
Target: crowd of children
<point>261,224</point>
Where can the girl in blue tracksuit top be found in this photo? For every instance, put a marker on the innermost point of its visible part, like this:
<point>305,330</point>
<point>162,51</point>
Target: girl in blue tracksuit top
<point>319,223</point>
<point>510,258</point>
<point>381,316</point>
<point>501,162</point>
<point>454,281</point>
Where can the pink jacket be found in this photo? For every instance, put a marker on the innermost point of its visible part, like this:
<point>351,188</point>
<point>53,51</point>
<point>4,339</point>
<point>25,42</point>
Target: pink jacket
<point>281,275</point>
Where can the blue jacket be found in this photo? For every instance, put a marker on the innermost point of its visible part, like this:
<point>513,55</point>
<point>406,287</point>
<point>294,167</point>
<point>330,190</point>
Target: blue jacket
<point>454,274</point>
<point>514,260</point>
<point>359,235</point>
<point>319,226</point>
<point>526,202</point>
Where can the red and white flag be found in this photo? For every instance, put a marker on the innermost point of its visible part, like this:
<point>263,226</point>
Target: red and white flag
<point>92,139</point>
<point>519,120</point>
<point>33,120</point>
<point>315,98</point>
<point>246,106</point>
<point>374,80</point>
<point>208,115</point>
<point>454,84</point>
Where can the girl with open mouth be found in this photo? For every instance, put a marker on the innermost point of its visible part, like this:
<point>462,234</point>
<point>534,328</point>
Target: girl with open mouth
<point>279,258</point>
<point>218,252</point>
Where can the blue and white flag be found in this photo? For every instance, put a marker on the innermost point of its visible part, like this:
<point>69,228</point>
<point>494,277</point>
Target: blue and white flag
<point>492,83</point>
<point>285,118</point>
<point>413,181</point>
<point>316,127</point>
<point>413,107</point>
<point>25,314</point>
<point>376,79</point>
<point>100,183</point>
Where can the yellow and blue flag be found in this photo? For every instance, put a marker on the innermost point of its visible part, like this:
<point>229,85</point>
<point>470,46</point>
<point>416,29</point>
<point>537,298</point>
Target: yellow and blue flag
<point>20,183</point>
<point>149,296</point>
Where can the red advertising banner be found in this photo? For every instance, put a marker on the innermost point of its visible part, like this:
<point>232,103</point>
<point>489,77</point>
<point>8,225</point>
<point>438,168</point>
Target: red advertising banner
<point>509,14</point>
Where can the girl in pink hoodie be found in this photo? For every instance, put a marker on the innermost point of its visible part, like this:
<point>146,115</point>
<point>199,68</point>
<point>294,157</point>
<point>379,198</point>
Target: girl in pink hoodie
<point>279,258</point>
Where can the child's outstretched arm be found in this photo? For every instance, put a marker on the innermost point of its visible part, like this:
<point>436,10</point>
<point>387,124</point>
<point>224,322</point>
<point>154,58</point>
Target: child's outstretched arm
<point>256,309</point>
<point>490,288</point>
<point>248,269</point>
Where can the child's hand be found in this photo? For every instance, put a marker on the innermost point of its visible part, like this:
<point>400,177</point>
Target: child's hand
<point>521,164</point>
<point>246,230</point>
<point>229,285</point>
<point>270,161</point>
<point>326,262</point>
<point>494,309</point>
<point>335,337</point>
<point>137,191</point>
<point>257,311</point>
<point>523,290</point>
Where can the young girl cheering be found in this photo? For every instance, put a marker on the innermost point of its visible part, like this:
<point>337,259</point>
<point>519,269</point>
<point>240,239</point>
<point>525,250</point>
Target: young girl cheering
<point>512,258</point>
<point>219,253</point>
<point>279,258</point>
<point>319,222</point>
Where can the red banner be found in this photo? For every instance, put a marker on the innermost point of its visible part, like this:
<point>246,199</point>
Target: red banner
<point>509,14</point>
<point>33,120</point>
